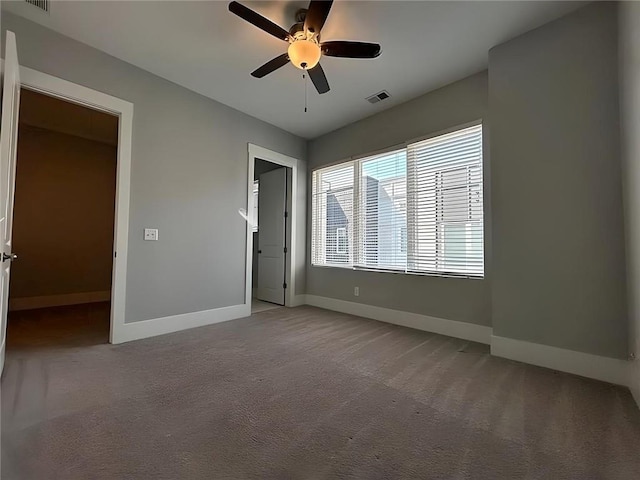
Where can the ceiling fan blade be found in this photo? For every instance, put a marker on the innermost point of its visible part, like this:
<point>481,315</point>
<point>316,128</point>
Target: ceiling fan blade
<point>346,49</point>
<point>258,20</point>
<point>316,15</point>
<point>271,66</point>
<point>319,79</point>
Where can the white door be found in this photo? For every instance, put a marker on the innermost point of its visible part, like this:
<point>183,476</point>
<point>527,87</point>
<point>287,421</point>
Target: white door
<point>8,150</point>
<point>272,204</point>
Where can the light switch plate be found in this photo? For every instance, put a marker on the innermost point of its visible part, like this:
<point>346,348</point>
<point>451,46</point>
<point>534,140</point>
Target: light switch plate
<point>151,234</point>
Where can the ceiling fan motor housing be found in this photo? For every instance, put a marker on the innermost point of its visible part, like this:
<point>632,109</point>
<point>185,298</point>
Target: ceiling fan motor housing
<point>297,30</point>
<point>301,15</point>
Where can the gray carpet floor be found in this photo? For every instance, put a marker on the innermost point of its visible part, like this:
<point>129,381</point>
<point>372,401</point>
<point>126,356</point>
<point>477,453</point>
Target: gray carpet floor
<point>301,394</point>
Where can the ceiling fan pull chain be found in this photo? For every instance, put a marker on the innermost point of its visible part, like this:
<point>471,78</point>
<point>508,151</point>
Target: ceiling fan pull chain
<point>304,76</point>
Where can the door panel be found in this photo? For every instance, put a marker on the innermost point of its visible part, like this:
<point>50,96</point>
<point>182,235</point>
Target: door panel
<point>8,149</point>
<point>272,202</point>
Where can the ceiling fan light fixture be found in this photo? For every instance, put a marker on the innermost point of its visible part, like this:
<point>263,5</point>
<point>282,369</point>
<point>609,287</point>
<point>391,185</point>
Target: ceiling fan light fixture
<point>304,54</point>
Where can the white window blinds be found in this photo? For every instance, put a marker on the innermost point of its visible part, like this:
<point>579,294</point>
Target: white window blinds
<point>445,223</point>
<point>382,211</point>
<point>417,210</point>
<point>332,215</point>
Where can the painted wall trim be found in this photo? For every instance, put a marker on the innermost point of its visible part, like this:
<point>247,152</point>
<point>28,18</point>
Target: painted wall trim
<point>175,323</point>
<point>606,369</point>
<point>30,303</point>
<point>451,328</point>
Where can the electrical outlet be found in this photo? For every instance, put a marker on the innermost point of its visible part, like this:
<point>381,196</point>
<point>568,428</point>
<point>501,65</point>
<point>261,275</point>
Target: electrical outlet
<point>356,291</point>
<point>151,234</point>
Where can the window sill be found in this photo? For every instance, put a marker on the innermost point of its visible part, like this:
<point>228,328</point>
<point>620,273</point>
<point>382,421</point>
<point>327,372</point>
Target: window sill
<point>398,272</point>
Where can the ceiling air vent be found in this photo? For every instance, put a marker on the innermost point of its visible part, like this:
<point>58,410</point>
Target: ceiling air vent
<point>378,97</point>
<point>41,4</point>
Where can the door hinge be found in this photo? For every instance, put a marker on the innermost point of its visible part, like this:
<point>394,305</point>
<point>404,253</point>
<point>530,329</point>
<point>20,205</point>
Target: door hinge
<point>284,285</point>
<point>286,214</point>
<point>285,250</point>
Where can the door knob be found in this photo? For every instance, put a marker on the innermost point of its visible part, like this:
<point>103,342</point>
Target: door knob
<point>9,256</point>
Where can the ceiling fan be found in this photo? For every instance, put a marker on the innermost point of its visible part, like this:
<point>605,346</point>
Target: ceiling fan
<point>305,47</point>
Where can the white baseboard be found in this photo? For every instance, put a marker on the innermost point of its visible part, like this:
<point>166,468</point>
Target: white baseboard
<point>174,323</point>
<point>30,303</point>
<point>606,369</point>
<point>451,328</point>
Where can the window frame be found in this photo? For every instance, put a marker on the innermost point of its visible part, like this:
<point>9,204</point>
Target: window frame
<point>355,160</point>
<point>256,207</point>
<point>342,230</point>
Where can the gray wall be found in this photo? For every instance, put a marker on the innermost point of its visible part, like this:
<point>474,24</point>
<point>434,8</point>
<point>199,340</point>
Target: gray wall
<point>188,176</point>
<point>629,15</point>
<point>63,214</point>
<point>449,298</point>
<point>559,261</point>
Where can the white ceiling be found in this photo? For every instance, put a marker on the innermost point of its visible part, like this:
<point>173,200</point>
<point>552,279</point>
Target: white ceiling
<point>205,48</point>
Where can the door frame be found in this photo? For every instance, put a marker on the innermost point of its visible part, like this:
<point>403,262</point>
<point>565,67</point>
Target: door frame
<point>56,87</point>
<point>257,152</point>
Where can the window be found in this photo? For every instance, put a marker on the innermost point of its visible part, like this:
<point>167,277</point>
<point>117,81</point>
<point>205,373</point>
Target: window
<point>446,227</point>
<point>332,205</point>
<point>255,206</point>
<point>415,210</point>
<point>342,241</point>
<point>382,211</point>
<point>403,239</point>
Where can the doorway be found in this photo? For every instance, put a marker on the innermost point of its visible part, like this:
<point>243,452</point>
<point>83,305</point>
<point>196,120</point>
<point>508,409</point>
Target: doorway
<point>272,260</point>
<point>270,239</point>
<point>63,223</point>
